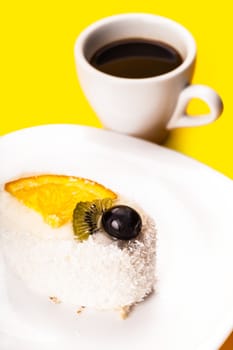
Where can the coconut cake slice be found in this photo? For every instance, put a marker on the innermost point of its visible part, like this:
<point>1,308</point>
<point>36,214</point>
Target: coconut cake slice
<point>74,241</point>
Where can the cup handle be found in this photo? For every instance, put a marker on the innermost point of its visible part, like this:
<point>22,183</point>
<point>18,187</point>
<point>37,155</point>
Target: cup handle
<point>181,119</point>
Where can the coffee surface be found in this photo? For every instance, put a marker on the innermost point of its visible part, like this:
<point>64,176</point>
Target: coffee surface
<point>136,58</point>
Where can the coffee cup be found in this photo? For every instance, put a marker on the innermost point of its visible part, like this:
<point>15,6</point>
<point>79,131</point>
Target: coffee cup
<point>143,106</point>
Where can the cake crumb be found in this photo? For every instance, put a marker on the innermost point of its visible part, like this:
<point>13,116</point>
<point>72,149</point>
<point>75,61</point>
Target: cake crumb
<point>124,311</point>
<point>80,310</point>
<point>55,300</point>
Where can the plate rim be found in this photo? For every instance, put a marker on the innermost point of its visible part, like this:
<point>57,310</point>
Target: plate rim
<point>130,138</point>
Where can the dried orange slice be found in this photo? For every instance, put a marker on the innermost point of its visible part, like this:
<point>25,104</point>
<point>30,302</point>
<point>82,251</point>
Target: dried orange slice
<point>55,196</point>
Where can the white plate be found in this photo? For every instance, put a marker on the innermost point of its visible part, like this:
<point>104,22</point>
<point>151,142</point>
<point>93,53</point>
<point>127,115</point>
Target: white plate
<point>192,205</point>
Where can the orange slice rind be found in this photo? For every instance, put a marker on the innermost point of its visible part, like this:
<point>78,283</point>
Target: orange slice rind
<point>55,196</point>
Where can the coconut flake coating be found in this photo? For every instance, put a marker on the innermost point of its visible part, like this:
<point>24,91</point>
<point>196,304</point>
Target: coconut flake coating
<point>100,272</point>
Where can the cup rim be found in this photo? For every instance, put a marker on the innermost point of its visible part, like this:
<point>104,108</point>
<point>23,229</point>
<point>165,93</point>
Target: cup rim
<point>83,37</point>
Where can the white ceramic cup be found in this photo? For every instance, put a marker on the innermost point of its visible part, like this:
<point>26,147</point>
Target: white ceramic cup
<point>145,107</point>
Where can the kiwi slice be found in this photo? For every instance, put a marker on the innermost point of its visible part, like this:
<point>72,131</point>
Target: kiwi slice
<point>86,217</point>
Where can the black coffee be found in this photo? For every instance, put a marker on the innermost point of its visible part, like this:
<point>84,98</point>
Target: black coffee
<point>136,58</point>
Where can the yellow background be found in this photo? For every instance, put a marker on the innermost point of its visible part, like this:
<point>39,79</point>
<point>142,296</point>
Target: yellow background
<point>38,79</point>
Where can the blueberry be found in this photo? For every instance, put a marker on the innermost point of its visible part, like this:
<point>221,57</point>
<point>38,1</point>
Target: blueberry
<point>122,222</point>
